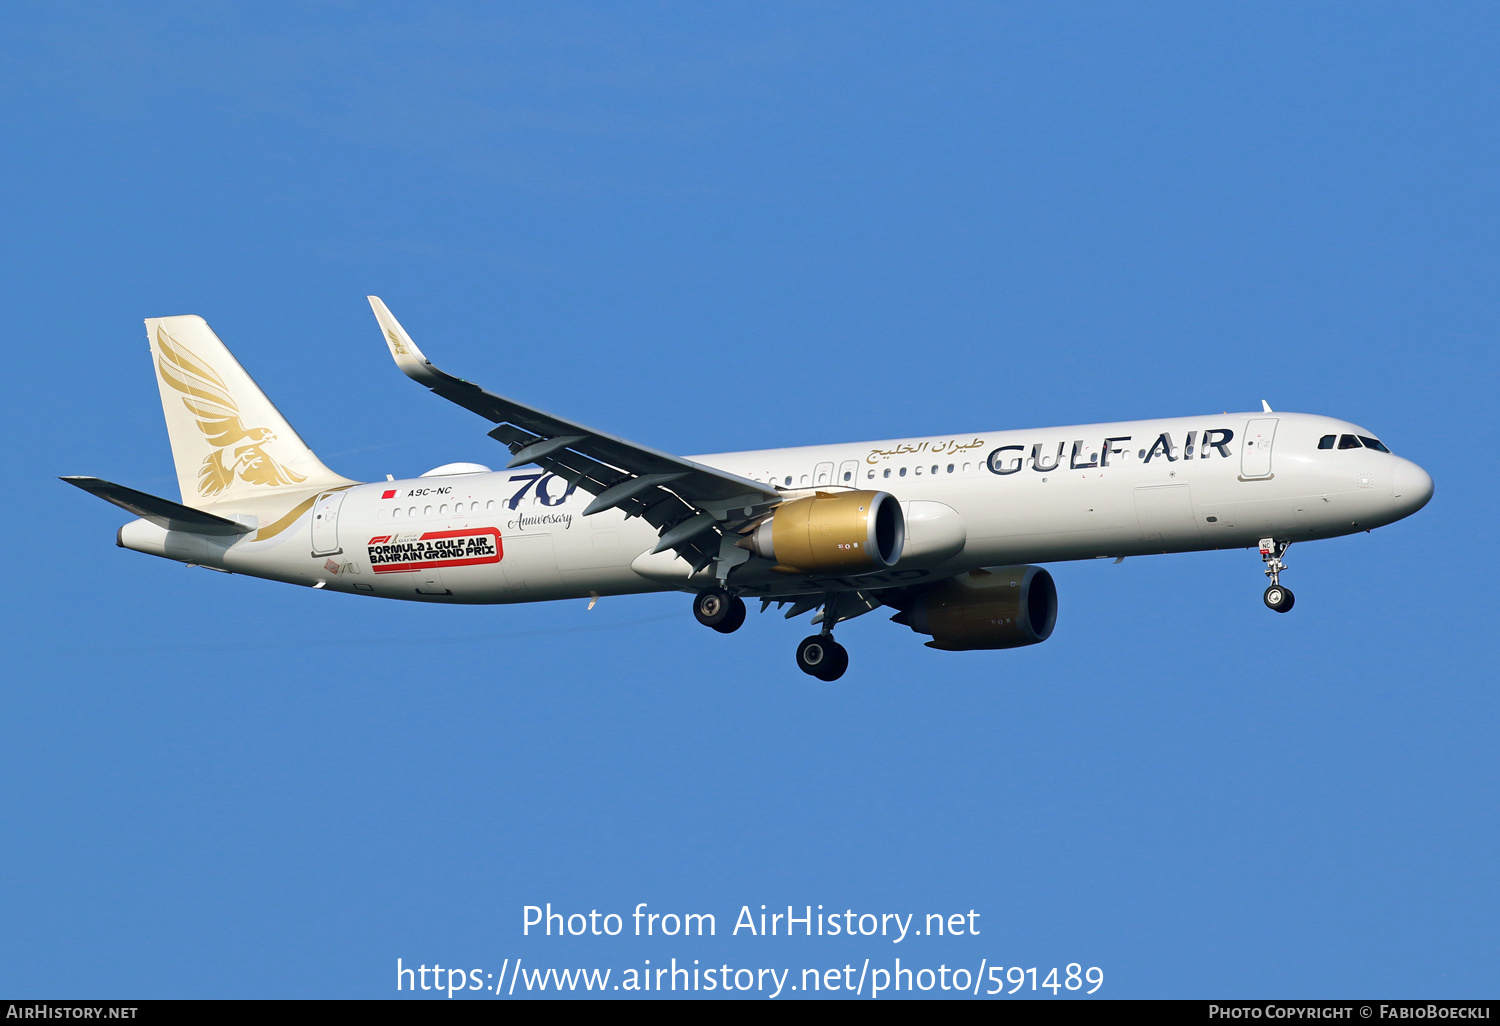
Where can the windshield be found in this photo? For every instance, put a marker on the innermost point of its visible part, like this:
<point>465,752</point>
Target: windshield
<point>1352,442</point>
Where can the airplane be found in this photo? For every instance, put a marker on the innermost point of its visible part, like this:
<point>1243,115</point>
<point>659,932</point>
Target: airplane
<point>943,530</point>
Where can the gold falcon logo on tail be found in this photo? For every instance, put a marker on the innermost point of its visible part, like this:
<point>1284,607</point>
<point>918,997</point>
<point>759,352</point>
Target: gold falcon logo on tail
<point>207,398</point>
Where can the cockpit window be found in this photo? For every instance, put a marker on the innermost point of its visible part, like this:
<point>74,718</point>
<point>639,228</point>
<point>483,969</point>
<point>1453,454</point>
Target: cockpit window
<point>1348,442</point>
<point>1326,442</point>
<point>1373,443</point>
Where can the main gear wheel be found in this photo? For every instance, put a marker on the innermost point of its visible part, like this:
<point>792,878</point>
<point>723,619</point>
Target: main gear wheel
<point>720,610</point>
<point>822,657</point>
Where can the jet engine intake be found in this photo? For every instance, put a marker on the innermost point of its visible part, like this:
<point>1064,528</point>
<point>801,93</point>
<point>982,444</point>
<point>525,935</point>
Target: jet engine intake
<point>1001,607</point>
<point>832,532</point>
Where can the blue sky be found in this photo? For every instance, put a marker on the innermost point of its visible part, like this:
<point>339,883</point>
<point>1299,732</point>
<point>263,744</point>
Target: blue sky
<point>740,226</point>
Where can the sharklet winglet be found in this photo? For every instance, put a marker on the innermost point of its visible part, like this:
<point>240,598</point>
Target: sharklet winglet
<point>412,361</point>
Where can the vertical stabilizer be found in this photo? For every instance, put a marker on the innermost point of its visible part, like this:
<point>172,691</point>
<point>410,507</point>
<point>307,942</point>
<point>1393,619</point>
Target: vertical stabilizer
<point>228,441</point>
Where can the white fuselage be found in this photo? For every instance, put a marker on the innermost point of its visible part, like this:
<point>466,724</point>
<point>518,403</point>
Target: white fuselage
<point>994,498</point>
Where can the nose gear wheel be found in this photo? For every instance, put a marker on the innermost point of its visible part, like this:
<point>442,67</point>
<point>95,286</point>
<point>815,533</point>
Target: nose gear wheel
<point>1276,596</point>
<point>1279,598</point>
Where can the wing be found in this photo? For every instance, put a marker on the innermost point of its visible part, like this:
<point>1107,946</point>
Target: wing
<point>693,507</point>
<point>203,391</point>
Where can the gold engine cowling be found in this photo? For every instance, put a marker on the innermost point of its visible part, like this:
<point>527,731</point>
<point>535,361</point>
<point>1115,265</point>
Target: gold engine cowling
<point>832,532</point>
<point>1002,607</point>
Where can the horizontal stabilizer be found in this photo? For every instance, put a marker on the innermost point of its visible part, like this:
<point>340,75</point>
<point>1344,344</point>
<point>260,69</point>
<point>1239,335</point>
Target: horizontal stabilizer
<point>164,513</point>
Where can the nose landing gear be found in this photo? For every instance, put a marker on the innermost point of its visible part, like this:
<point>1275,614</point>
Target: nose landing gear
<point>717,608</point>
<point>1276,597</point>
<point>822,657</point>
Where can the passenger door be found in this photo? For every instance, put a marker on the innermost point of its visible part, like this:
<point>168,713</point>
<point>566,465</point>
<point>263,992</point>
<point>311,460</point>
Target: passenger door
<point>325,524</point>
<point>1255,453</point>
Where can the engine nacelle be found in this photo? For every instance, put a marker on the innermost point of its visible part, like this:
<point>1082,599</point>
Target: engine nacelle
<point>1002,607</point>
<point>832,532</point>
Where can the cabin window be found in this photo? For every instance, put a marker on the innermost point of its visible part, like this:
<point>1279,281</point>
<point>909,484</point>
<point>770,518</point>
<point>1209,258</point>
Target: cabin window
<point>443,509</point>
<point>804,479</point>
<point>902,473</point>
<point>380,514</point>
<point>918,471</point>
<point>950,468</point>
<point>1326,442</point>
<point>1348,442</point>
<point>412,512</point>
<point>871,475</point>
<point>966,468</point>
<point>1373,443</point>
<point>935,469</point>
<point>789,479</point>
<point>848,475</point>
<point>490,504</point>
<point>887,472</point>
<point>427,511</point>
<point>395,513</point>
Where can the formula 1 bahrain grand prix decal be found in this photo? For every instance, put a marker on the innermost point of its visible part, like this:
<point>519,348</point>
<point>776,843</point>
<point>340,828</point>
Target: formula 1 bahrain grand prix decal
<point>410,550</point>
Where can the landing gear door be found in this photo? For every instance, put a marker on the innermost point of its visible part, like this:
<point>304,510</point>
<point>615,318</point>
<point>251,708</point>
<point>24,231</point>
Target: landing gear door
<point>1255,454</point>
<point>325,524</point>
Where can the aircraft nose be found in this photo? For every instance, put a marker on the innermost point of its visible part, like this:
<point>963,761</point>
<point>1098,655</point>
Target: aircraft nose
<point>1411,485</point>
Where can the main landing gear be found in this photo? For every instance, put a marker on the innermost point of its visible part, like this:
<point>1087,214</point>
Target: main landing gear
<point>1276,597</point>
<point>819,655</point>
<point>822,657</point>
<point>719,609</point>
